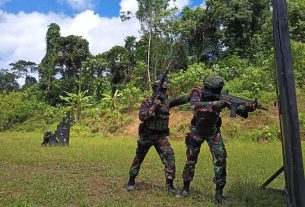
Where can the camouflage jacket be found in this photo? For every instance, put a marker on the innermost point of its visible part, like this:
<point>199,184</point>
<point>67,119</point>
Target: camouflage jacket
<point>203,110</point>
<point>157,122</point>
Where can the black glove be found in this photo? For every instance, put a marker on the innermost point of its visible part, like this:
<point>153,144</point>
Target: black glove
<point>250,106</point>
<point>220,104</point>
<point>156,104</point>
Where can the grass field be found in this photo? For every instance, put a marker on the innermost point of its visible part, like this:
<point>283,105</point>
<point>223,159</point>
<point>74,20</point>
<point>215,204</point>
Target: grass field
<point>93,171</point>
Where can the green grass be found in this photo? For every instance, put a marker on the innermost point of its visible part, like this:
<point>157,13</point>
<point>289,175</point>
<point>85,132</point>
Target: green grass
<point>93,171</point>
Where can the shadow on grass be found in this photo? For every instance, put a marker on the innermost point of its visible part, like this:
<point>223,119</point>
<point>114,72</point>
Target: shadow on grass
<point>249,194</point>
<point>143,186</point>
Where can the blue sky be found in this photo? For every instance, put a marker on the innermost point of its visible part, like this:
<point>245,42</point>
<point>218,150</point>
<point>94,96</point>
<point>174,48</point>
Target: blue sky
<point>24,23</point>
<point>107,8</point>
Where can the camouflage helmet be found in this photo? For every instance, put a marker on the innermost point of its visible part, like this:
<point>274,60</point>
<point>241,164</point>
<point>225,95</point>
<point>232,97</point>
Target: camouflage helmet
<point>213,81</point>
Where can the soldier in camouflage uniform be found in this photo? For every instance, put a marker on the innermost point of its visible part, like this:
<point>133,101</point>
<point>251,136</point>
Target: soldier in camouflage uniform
<point>153,131</point>
<point>205,125</point>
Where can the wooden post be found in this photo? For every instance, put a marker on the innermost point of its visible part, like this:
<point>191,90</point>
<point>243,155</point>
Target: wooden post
<point>291,142</point>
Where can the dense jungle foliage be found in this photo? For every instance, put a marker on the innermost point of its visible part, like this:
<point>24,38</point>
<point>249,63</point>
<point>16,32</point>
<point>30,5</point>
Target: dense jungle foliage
<point>231,38</point>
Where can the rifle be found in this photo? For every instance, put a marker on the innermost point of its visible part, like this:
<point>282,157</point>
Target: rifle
<point>236,101</point>
<point>159,93</point>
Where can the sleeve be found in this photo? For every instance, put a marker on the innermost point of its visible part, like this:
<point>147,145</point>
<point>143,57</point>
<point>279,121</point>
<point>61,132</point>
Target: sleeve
<point>145,111</point>
<point>197,105</point>
<point>179,101</point>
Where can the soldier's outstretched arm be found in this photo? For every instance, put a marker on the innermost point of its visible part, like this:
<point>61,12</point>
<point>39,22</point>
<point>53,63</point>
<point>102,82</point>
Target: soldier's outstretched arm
<point>179,101</point>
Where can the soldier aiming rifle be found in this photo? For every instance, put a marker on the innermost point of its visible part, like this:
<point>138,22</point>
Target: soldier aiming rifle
<point>207,103</point>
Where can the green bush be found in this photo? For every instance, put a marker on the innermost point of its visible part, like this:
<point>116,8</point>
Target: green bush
<point>230,68</point>
<point>184,81</point>
<point>251,83</point>
<point>50,113</point>
<point>17,107</point>
<point>131,97</point>
<point>298,54</point>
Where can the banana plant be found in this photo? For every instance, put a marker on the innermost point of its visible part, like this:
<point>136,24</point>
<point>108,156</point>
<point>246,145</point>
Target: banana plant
<point>77,101</point>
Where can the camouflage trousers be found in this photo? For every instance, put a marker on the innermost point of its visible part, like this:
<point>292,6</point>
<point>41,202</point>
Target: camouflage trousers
<point>217,149</point>
<point>162,146</point>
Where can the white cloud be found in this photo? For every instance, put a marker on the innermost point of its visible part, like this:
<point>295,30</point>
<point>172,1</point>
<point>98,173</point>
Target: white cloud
<point>79,5</point>
<point>203,4</point>
<point>132,5</point>
<point>23,34</point>
<point>180,3</point>
<point>129,5</point>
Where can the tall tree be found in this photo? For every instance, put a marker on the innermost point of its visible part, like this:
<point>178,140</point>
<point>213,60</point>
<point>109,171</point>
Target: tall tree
<point>224,28</point>
<point>94,78</point>
<point>152,15</point>
<point>47,67</point>
<point>117,63</point>
<point>73,50</point>
<point>130,45</point>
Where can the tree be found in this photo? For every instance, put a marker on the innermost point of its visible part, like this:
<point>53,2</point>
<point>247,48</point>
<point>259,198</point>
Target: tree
<point>64,56</point>
<point>47,67</point>
<point>152,14</point>
<point>21,68</point>
<point>117,63</point>
<point>29,81</point>
<point>238,21</point>
<point>130,45</point>
<point>8,81</point>
<point>94,78</point>
<point>73,50</point>
<point>225,28</point>
<point>296,18</point>
<point>298,53</point>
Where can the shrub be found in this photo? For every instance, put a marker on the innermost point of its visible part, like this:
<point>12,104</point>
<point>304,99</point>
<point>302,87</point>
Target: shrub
<point>131,97</point>
<point>184,81</point>
<point>16,107</point>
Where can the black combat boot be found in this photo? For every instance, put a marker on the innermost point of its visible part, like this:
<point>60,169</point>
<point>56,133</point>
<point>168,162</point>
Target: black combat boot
<point>131,183</point>
<point>219,195</point>
<point>185,191</point>
<point>170,186</point>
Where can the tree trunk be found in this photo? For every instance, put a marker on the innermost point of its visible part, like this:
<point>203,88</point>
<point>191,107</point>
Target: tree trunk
<point>148,61</point>
<point>49,83</point>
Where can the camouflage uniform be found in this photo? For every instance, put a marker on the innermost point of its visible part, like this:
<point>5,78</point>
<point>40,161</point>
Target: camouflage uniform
<point>205,125</point>
<point>208,130</point>
<point>153,131</point>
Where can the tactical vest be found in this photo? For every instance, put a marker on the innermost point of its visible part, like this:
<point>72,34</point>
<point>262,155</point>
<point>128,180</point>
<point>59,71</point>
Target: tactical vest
<point>160,121</point>
<point>205,121</point>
